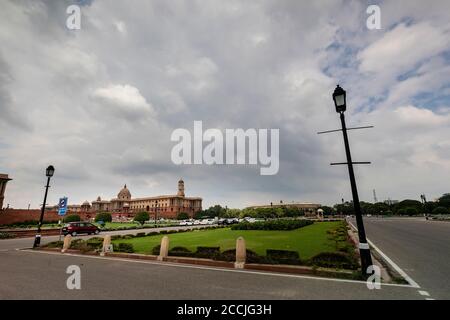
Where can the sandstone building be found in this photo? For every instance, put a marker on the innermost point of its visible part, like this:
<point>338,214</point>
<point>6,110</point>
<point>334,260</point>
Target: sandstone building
<point>164,206</point>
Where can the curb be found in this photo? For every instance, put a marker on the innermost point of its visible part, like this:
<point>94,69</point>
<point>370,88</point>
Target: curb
<point>289,269</point>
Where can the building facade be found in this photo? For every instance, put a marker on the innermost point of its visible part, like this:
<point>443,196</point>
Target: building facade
<point>164,206</point>
<point>3,181</point>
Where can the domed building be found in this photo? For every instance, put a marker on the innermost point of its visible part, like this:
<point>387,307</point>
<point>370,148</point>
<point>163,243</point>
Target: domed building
<point>165,206</point>
<point>86,206</point>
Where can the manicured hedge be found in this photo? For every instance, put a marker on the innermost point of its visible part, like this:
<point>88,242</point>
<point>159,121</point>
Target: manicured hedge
<point>283,224</point>
<point>337,260</point>
<point>181,252</point>
<point>72,218</point>
<point>123,247</point>
<point>283,256</point>
<point>207,252</point>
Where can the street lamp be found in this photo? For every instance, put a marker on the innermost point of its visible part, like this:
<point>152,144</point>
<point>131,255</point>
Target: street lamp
<point>340,102</point>
<point>49,173</point>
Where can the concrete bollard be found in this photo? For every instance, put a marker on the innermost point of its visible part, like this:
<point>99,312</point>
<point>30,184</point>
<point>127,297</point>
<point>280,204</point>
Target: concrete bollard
<point>164,251</point>
<point>106,245</point>
<point>67,242</point>
<point>241,253</point>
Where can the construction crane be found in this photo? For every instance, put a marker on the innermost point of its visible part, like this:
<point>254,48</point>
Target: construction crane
<point>375,196</point>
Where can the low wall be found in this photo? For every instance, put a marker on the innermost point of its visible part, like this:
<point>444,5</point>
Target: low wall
<point>11,216</point>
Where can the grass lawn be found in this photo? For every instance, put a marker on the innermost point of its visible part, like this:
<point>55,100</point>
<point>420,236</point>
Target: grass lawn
<point>308,241</point>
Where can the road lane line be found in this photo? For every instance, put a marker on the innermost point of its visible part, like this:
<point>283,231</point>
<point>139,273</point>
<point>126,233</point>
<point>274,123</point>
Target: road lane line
<point>392,263</point>
<point>246,271</point>
<point>424,293</point>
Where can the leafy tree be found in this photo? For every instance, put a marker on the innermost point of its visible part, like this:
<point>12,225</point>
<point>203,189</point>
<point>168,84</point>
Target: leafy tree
<point>328,211</point>
<point>103,216</point>
<point>411,211</point>
<point>440,210</point>
<point>380,208</point>
<point>182,216</point>
<point>345,208</point>
<point>408,204</point>
<point>444,201</point>
<point>141,217</point>
<point>72,218</point>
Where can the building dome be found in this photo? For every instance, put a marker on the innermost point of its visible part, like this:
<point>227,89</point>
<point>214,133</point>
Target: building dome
<point>124,193</point>
<point>86,203</point>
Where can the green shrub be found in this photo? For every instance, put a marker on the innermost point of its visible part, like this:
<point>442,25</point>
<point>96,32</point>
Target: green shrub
<point>103,216</point>
<point>282,224</point>
<point>251,256</point>
<point>338,260</point>
<point>182,216</point>
<point>123,247</point>
<point>95,243</point>
<point>207,252</point>
<point>156,250</point>
<point>141,217</point>
<point>153,233</point>
<point>72,218</point>
<point>181,252</point>
<point>140,234</point>
<point>283,256</point>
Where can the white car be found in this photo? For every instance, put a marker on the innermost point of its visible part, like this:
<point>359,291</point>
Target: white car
<point>197,222</point>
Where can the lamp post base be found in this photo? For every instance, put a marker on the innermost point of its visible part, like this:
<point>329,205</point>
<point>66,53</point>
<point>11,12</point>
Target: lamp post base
<point>366,260</point>
<point>37,241</point>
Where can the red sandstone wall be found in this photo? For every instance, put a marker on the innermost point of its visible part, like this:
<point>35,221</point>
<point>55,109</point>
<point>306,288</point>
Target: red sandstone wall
<point>11,216</point>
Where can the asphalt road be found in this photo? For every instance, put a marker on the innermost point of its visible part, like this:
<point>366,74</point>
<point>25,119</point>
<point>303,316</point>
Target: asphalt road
<point>25,274</point>
<point>420,247</point>
<point>32,275</point>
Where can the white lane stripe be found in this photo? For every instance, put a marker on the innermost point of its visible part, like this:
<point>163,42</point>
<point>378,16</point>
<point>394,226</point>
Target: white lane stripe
<point>424,293</point>
<point>248,271</point>
<point>429,299</point>
<point>392,263</point>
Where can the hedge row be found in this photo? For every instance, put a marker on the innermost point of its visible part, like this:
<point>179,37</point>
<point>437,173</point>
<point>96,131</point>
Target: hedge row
<point>283,224</point>
<point>338,260</point>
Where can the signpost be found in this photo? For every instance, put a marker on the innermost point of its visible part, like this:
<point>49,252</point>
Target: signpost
<point>62,210</point>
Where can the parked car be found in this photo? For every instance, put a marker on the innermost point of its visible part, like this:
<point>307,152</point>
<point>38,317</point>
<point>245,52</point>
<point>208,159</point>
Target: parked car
<point>75,228</point>
<point>228,221</point>
<point>186,223</point>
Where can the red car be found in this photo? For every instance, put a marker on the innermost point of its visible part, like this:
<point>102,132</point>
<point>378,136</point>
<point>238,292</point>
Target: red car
<point>74,228</point>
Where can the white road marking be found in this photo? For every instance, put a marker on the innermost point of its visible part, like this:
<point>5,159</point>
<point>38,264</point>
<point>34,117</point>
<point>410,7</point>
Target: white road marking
<point>424,293</point>
<point>392,263</point>
<point>246,271</point>
<point>429,299</point>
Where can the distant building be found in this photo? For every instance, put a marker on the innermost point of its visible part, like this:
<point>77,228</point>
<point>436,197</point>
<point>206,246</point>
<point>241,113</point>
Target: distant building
<point>3,181</point>
<point>307,207</point>
<point>165,206</point>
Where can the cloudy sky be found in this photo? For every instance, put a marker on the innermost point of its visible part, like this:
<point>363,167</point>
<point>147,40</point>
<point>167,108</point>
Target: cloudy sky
<point>100,103</point>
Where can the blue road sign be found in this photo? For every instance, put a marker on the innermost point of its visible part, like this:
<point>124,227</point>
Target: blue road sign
<point>62,206</point>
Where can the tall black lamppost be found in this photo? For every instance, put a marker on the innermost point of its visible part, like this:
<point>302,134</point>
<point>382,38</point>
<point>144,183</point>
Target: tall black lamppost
<point>339,97</point>
<point>49,173</point>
